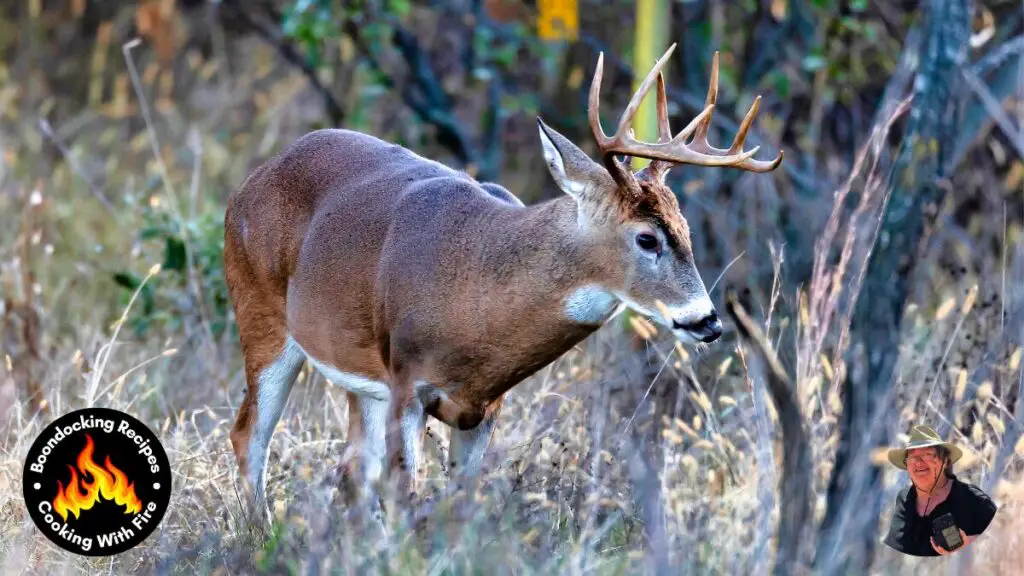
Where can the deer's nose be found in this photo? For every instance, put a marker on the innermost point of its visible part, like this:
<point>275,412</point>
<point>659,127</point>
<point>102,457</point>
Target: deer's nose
<point>707,329</point>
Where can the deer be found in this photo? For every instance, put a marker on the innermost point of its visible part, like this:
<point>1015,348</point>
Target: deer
<point>424,292</point>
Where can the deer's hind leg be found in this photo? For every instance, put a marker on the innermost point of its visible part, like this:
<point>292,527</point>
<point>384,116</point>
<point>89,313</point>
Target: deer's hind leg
<point>269,378</point>
<point>272,363</point>
<point>365,453</point>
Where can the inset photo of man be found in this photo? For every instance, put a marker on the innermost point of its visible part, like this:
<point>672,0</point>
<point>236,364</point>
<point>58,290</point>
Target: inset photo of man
<point>937,513</point>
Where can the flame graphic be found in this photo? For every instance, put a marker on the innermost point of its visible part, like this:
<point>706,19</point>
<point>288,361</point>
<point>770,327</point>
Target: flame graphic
<point>109,482</point>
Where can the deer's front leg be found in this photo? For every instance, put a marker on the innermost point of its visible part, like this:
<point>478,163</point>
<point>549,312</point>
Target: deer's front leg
<point>405,439</point>
<point>364,459</point>
<point>467,448</point>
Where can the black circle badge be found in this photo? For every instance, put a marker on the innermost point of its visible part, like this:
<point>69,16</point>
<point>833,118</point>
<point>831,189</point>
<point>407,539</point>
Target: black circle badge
<point>97,482</point>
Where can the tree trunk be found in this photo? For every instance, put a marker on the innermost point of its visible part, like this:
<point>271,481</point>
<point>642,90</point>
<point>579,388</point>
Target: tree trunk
<point>850,530</point>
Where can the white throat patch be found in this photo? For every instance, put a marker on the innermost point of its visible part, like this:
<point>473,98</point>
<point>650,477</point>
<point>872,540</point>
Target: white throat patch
<point>590,304</point>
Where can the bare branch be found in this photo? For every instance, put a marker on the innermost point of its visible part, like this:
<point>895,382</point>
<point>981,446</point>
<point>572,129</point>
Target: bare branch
<point>997,56</point>
<point>425,97</point>
<point>795,484</point>
<point>47,130</point>
<point>273,36</point>
<point>995,110</point>
<point>429,100</point>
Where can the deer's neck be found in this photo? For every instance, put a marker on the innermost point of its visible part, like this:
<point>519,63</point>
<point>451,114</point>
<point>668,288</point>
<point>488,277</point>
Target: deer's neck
<point>550,262</point>
<point>520,271</point>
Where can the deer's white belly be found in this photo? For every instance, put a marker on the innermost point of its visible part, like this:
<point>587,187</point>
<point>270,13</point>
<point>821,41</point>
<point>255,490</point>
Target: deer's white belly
<point>354,383</point>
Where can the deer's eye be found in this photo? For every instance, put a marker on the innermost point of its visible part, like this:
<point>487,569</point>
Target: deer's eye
<point>647,242</point>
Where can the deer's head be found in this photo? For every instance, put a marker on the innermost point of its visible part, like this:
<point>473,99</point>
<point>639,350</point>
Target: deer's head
<point>632,219</point>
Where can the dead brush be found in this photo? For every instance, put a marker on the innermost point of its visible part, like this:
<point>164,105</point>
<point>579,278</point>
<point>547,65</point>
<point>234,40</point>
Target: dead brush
<point>21,333</point>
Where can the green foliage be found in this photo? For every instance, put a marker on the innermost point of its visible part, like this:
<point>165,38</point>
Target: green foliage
<point>172,301</point>
<point>310,22</point>
<point>780,82</point>
<point>859,5</point>
<point>314,23</point>
<point>267,561</point>
<point>400,8</point>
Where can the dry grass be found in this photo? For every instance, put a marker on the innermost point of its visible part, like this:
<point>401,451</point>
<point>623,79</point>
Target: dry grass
<point>562,491</point>
<point>557,495</point>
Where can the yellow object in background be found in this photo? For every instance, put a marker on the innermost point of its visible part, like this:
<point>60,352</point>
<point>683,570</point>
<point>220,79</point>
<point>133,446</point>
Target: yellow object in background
<point>651,40</point>
<point>558,19</point>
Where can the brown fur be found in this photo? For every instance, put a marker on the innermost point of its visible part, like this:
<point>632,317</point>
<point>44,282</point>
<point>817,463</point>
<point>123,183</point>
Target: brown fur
<point>387,265</point>
<point>658,203</point>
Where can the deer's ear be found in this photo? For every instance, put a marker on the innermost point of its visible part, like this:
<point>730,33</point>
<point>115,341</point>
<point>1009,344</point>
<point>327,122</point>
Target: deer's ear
<point>574,172</point>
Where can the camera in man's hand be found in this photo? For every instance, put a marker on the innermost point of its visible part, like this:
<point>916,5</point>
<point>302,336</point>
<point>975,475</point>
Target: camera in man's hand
<point>946,533</point>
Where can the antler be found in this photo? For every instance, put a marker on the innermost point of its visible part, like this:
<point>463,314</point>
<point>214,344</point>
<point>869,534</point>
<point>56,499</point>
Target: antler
<point>671,150</point>
<point>700,141</point>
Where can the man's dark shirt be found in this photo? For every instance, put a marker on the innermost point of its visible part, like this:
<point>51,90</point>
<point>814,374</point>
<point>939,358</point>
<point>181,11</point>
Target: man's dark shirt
<point>909,533</point>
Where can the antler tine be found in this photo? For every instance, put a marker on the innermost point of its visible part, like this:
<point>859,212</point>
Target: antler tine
<point>741,134</point>
<point>664,129</point>
<point>713,84</point>
<point>741,137</point>
<point>700,144</point>
<point>658,168</point>
<point>710,101</point>
<point>594,104</point>
<point>700,140</point>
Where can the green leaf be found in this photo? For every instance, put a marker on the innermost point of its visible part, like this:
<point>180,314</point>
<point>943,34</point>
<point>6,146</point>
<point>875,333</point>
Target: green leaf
<point>400,7</point>
<point>174,254</point>
<point>852,24</point>
<point>127,280</point>
<point>313,53</point>
<point>151,232</point>
<point>870,31</point>
<point>781,83</point>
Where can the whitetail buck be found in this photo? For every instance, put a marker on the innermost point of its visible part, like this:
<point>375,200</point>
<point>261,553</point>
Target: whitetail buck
<point>424,292</point>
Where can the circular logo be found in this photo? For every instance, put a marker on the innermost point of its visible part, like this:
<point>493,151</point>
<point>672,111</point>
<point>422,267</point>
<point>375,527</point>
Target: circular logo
<point>97,482</point>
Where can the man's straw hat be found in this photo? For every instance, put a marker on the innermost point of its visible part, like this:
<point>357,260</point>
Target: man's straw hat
<point>922,436</point>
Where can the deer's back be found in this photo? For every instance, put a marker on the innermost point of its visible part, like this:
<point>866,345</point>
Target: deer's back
<point>335,178</point>
<point>312,223</point>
